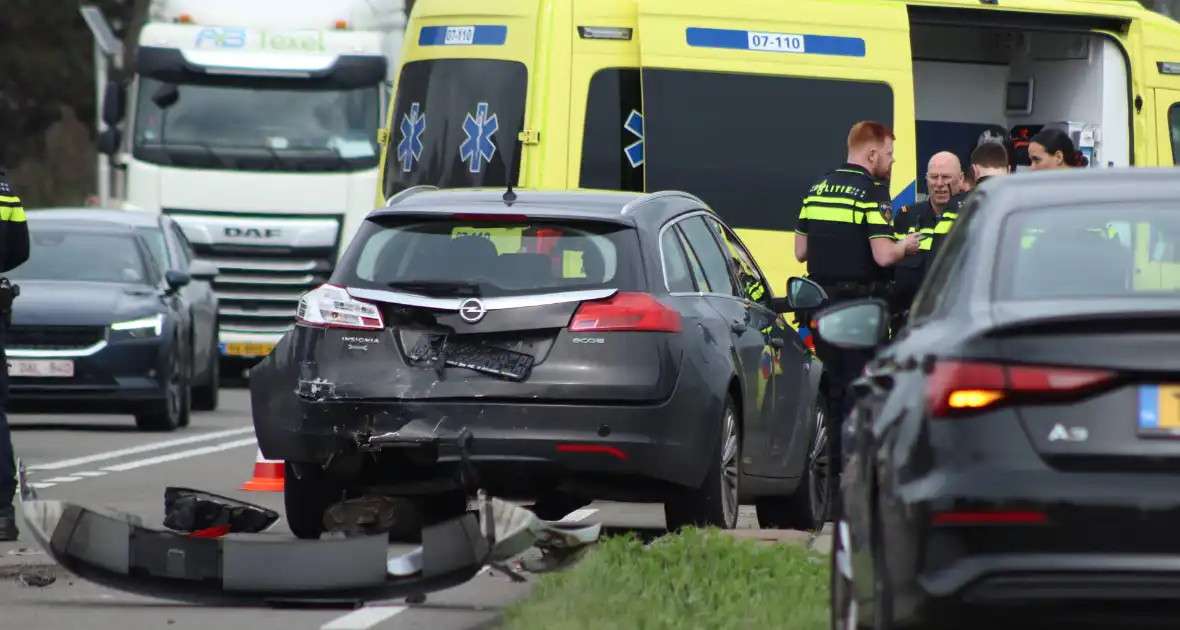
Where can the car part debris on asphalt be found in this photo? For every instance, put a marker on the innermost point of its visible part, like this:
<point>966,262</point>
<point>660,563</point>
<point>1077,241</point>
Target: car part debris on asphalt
<point>119,551</point>
<point>205,514</point>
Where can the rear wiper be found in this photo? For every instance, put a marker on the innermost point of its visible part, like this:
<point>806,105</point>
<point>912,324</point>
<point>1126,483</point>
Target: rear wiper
<point>438,287</point>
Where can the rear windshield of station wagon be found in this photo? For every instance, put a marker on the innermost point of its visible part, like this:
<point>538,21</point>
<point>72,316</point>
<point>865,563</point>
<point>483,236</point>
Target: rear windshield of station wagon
<point>456,257</point>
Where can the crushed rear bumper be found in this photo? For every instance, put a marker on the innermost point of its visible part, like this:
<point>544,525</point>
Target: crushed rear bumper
<point>119,551</point>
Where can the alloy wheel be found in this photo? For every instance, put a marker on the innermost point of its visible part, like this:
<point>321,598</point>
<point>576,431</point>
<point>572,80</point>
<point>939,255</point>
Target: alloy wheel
<point>729,469</point>
<point>819,463</point>
<point>175,393</point>
<point>842,603</point>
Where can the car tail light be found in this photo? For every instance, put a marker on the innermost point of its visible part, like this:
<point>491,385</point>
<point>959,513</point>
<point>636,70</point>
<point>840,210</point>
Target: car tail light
<point>331,306</point>
<point>957,387</point>
<point>625,312</point>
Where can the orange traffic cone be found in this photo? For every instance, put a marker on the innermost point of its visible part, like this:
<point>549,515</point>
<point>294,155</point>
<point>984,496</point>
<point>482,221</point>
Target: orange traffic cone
<point>268,475</point>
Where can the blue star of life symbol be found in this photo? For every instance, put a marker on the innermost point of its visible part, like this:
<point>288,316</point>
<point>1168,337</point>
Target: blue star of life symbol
<point>409,150</point>
<point>478,147</point>
<point>634,151</point>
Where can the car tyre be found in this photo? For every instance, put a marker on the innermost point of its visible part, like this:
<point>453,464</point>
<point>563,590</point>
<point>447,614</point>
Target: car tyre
<point>717,502</point>
<point>308,492</point>
<point>882,585</point>
<point>841,594</point>
<point>173,410</point>
<point>207,395</point>
<point>810,505</point>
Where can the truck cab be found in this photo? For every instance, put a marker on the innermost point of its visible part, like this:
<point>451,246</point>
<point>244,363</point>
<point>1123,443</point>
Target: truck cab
<point>254,125</point>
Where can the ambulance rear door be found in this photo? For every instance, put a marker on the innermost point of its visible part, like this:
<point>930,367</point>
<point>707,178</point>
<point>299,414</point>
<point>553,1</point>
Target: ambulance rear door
<point>747,104</point>
<point>460,96</point>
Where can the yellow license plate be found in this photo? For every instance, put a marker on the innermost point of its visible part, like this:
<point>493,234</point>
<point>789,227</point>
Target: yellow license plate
<point>247,349</point>
<point>1159,409</point>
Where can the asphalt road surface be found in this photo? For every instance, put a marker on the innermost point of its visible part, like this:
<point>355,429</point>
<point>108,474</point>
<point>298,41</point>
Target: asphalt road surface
<point>103,461</point>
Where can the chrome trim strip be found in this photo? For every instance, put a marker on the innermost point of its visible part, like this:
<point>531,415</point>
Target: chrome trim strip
<point>18,353</point>
<point>660,246</point>
<point>491,304</point>
<point>409,192</point>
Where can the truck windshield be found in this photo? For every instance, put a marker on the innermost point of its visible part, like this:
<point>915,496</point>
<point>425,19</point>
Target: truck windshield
<point>455,124</point>
<point>240,127</point>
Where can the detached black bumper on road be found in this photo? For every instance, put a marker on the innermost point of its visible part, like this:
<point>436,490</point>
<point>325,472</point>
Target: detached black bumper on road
<point>116,550</point>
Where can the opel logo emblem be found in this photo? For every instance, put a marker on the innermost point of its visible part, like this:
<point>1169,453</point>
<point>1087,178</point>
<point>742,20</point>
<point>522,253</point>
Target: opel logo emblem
<point>472,310</point>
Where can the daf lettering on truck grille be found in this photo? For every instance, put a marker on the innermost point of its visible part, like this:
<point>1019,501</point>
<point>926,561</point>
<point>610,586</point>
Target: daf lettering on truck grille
<point>237,232</point>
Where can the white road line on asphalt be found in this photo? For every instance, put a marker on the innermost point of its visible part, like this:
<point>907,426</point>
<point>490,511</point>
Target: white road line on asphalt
<point>363,618</point>
<point>171,457</point>
<point>38,486</point>
<point>94,473</point>
<point>135,450</point>
<point>578,515</point>
<point>62,479</point>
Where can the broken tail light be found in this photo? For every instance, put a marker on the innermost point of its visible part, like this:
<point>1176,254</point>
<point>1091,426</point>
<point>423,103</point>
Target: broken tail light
<point>959,387</point>
<point>625,312</point>
<point>330,306</point>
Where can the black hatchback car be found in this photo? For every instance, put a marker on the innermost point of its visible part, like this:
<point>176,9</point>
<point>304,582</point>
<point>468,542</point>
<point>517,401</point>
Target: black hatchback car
<point>99,326</point>
<point>1012,454</point>
<point>556,346</point>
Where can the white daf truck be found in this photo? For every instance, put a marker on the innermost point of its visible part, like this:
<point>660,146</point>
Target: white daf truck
<point>254,124</point>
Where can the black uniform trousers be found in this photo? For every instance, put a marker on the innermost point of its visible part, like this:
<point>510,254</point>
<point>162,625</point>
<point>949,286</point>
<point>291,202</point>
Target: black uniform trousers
<point>7,456</point>
<point>843,366</point>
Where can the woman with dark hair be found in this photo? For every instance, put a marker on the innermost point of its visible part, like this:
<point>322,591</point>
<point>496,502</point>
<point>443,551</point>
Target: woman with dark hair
<point>1052,148</point>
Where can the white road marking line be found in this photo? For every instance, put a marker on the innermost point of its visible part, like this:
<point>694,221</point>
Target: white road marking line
<point>171,457</point>
<point>62,479</point>
<point>578,515</point>
<point>363,618</point>
<point>96,473</point>
<point>135,450</point>
<point>38,486</point>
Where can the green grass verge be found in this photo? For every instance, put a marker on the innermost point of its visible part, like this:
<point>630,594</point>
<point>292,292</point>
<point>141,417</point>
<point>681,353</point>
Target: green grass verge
<point>697,580</point>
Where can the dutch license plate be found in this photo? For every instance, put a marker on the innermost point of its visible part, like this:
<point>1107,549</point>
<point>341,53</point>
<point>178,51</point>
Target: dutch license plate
<point>1159,411</point>
<point>247,349</point>
<point>484,359</point>
<point>41,368</point>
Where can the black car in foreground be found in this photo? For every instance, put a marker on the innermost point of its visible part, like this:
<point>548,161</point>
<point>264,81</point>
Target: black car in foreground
<point>1012,458</point>
<point>558,346</point>
<point>99,327</point>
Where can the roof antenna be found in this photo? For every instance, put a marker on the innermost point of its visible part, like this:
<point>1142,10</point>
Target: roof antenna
<point>510,195</point>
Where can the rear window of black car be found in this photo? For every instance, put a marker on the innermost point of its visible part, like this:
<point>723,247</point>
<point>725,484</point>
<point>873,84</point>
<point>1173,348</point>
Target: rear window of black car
<point>447,257</point>
<point>1122,250</point>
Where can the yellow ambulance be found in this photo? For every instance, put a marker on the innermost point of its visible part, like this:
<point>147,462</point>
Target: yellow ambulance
<point>745,103</point>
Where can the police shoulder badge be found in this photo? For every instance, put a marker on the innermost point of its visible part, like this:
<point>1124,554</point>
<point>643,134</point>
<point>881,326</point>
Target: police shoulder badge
<point>886,209</point>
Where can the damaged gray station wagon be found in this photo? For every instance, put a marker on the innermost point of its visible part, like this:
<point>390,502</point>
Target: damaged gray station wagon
<point>560,347</point>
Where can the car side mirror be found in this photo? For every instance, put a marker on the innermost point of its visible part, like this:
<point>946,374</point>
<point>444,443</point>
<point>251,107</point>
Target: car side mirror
<point>176,279</point>
<point>203,270</point>
<point>108,141</point>
<point>802,294</point>
<point>854,325</point>
<point>114,103</point>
